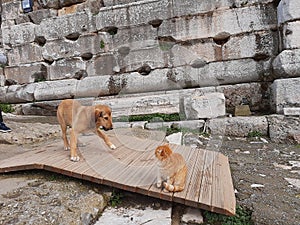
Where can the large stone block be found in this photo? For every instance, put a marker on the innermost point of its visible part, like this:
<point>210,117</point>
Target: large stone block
<point>248,93</point>
<point>285,93</point>
<point>26,73</point>
<point>291,35</point>
<point>92,87</point>
<point>86,46</point>
<point>257,45</point>
<point>201,106</point>
<point>138,58</point>
<point>232,21</point>
<point>104,64</point>
<point>20,93</point>
<point>65,26</point>
<point>66,68</point>
<point>19,34</point>
<point>54,90</point>
<point>108,3</point>
<point>187,7</point>
<point>133,14</point>
<point>284,129</point>
<point>137,104</point>
<point>287,64</point>
<point>238,126</point>
<point>37,16</point>
<point>288,10</point>
<point>10,10</point>
<point>133,36</point>
<point>26,53</point>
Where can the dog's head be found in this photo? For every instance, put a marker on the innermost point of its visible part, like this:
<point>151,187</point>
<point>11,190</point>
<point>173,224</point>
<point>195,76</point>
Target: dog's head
<point>103,117</point>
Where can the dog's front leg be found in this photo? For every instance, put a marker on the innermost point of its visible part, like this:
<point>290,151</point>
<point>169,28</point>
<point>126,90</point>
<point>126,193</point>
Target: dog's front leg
<point>105,138</point>
<point>73,144</point>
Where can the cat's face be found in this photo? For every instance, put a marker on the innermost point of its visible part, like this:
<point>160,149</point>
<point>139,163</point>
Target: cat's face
<point>163,152</point>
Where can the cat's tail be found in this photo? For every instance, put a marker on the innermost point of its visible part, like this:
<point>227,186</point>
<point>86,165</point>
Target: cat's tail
<point>173,188</point>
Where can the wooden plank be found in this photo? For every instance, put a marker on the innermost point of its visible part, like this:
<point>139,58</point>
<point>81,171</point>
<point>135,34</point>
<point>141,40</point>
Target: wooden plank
<point>136,173</point>
<point>205,192</point>
<point>209,184</point>
<point>194,162</point>
<point>223,198</point>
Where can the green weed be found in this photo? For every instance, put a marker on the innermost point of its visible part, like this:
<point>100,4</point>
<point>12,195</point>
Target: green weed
<point>7,108</point>
<point>254,133</point>
<point>115,198</point>
<point>102,44</point>
<point>242,217</point>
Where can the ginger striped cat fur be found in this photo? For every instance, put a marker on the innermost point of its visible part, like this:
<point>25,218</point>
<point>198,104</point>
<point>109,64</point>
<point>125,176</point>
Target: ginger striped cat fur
<point>172,169</point>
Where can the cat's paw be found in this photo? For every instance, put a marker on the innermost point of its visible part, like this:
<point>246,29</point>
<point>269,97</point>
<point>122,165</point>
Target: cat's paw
<point>112,146</point>
<point>158,184</point>
<point>74,158</point>
<point>165,190</point>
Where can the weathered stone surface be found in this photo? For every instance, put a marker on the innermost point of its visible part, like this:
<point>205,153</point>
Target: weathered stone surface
<point>19,93</point>
<point>56,4</point>
<point>65,68</point>
<point>92,86</point>
<point>118,2</point>
<point>55,90</point>
<point>26,73</point>
<point>192,215</point>
<point>283,128</point>
<point>89,43</point>
<point>209,25</point>
<point>132,15</point>
<point>60,27</point>
<point>136,104</point>
<point>10,10</point>
<point>289,111</point>
<point>130,36</point>
<point>285,93</point>
<point>27,53</point>
<point>2,79</point>
<point>252,93</point>
<point>239,126</point>
<point>288,10</point>
<point>104,64</point>
<point>18,34</point>
<point>199,106</point>
<point>257,45</point>
<point>38,15</point>
<point>287,64</point>
<point>291,34</point>
<point>150,55</point>
<point>187,7</point>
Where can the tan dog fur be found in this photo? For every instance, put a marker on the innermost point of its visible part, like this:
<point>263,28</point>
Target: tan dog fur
<point>80,119</point>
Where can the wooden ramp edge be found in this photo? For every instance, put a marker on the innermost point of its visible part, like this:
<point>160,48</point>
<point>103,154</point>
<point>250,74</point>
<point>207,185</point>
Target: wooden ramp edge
<point>132,167</point>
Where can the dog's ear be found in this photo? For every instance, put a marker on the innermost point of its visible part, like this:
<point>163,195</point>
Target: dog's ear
<point>98,113</point>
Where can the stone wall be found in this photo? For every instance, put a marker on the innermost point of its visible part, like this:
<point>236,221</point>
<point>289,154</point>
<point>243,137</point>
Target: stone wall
<point>96,48</point>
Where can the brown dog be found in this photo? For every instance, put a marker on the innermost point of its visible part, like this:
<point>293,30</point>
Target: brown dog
<point>80,119</point>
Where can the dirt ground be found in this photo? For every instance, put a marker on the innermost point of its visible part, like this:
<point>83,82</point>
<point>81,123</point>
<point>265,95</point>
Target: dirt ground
<point>265,175</point>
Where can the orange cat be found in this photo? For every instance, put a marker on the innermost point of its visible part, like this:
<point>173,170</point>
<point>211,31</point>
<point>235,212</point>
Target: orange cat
<point>172,169</point>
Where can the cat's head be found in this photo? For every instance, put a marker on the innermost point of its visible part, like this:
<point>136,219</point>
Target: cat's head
<point>162,152</point>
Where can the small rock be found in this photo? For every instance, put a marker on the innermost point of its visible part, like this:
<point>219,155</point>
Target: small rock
<point>175,138</point>
<point>294,182</point>
<point>282,166</point>
<point>257,185</point>
<point>192,215</point>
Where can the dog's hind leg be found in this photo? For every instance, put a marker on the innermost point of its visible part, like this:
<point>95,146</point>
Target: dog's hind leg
<point>73,140</point>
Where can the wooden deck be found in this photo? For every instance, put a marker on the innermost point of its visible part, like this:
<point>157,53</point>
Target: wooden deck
<point>132,167</point>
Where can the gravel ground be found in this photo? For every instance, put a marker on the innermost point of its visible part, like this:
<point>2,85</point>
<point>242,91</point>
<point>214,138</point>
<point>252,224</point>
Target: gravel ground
<point>265,175</point>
